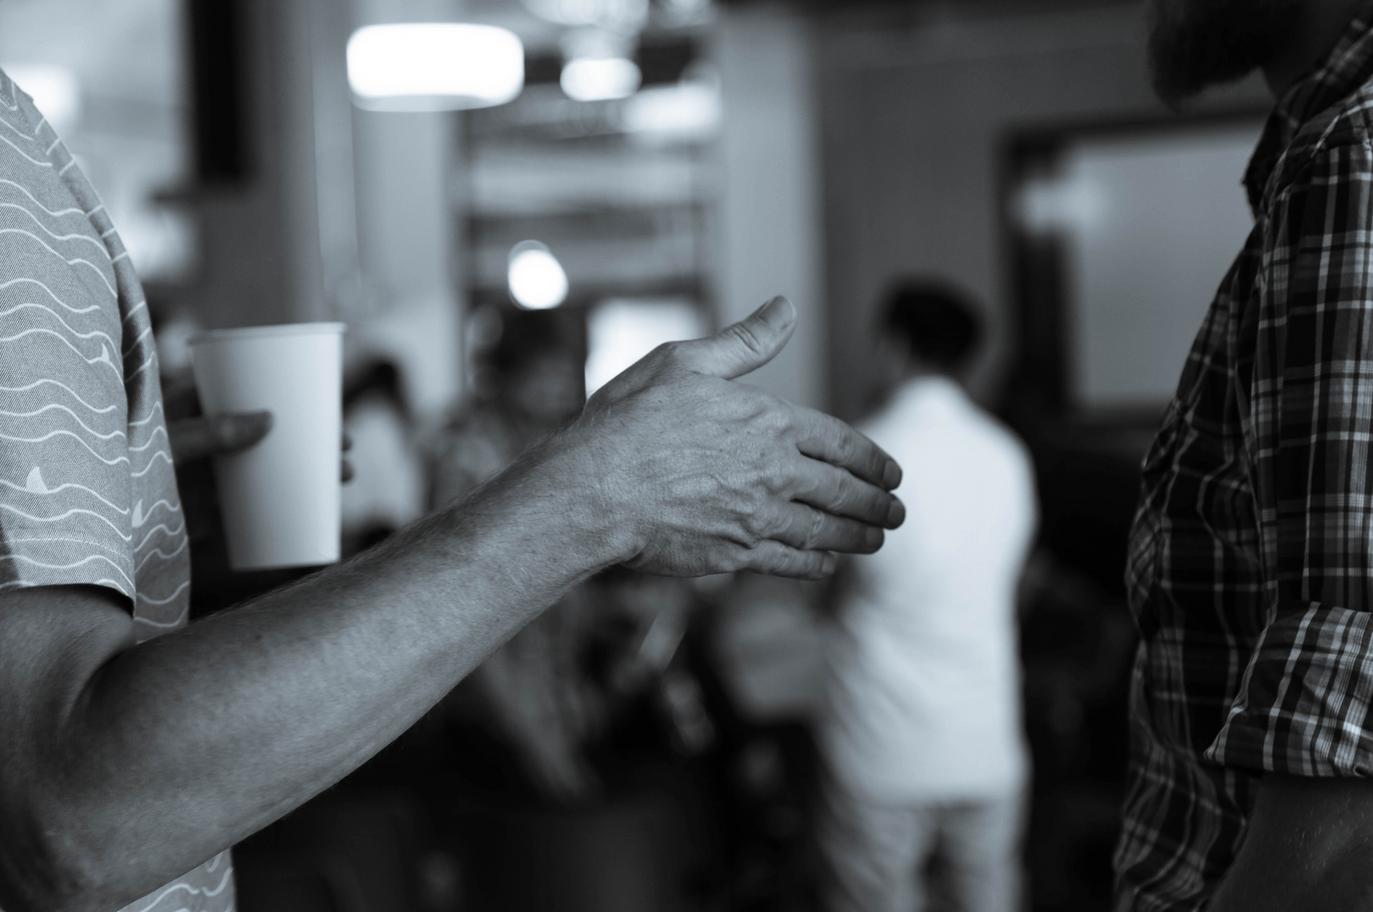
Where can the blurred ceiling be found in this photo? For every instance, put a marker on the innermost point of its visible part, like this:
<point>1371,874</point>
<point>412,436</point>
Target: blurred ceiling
<point>541,35</point>
<point>128,50</point>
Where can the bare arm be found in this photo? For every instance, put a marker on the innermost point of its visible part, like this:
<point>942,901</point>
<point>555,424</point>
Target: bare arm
<point>122,766</point>
<point>1307,847</point>
<point>187,744</point>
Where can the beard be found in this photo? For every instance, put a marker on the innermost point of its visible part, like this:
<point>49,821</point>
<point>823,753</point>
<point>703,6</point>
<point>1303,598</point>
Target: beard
<point>1195,44</point>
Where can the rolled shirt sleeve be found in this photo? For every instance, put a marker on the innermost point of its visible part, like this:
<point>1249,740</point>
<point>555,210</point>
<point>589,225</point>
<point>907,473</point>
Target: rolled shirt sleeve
<point>1303,704</point>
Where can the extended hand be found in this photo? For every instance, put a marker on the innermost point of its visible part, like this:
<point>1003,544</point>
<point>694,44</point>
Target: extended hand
<point>712,476</point>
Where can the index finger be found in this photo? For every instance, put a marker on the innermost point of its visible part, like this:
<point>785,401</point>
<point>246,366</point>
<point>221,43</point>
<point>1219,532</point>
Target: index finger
<point>215,435</point>
<point>828,439</point>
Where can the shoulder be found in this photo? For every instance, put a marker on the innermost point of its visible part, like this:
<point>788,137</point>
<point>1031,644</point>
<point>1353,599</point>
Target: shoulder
<point>1337,142</point>
<point>998,448</point>
<point>1005,442</point>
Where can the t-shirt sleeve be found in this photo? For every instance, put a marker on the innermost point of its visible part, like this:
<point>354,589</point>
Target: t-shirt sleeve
<point>1304,703</point>
<point>65,481</point>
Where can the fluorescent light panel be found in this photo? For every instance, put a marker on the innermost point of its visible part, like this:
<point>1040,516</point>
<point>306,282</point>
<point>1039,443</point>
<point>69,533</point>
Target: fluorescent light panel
<point>434,66</point>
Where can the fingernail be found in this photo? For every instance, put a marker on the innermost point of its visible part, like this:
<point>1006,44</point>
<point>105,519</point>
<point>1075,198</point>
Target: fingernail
<point>264,421</point>
<point>896,514</point>
<point>873,539</point>
<point>891,476</point>
<point>828,564</point>
<point>779,309</point>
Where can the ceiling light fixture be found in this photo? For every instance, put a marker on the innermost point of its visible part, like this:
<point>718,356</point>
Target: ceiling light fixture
<point>434,66</point>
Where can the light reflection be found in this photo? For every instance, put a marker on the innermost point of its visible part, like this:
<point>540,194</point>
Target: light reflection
<point>537,280</point>
<point>600,78</point>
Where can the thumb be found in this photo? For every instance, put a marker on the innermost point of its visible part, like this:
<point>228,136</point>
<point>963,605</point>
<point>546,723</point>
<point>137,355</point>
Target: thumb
<point>744,347</point>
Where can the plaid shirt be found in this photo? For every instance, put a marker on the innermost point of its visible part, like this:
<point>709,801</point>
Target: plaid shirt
<point>1251,560</point>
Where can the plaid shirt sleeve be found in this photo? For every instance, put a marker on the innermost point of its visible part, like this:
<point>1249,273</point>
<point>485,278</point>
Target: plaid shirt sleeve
<point>1303,705</point>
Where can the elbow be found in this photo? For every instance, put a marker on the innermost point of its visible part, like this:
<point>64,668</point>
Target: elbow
<point>43,869</point>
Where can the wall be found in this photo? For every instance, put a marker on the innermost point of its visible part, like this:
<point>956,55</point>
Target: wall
<point>345,214</point>
<point>768,233</point>
<point>261,235</point>
<point>913,115</point>
<point>408,238</point>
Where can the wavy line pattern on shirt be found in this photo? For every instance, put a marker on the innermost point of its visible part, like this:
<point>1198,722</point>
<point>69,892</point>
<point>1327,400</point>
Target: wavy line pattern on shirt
<point>73,261</point>
<point>159,431</point>
<point>160,529</point>
<point>24,155</point>
<point>55,213</point>
<point>160,454</point>
<point>46,566</point>
<point>18,132</point>
<point>74,236</point>
<point>22,280</point>
<point>83,449</point>
<point>159,554</point>
<point>118,460</point>
<point>187,888</point>
<point>30,387</point>
<point>43,308</point>
<point>68,486</point>
<point>74,511</point>
<point>54,406</point>
<point>165,600</point>
<point>156,413</point>
<point>104,357</point>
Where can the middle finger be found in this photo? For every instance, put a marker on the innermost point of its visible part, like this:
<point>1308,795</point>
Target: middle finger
<point>808,529</point>
<point>836,491</point>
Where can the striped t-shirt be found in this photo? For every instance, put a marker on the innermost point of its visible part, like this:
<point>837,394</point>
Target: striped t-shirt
<point>87,492</point>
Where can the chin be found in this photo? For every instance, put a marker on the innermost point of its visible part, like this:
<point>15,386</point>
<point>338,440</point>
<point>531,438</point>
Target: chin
<point>1197,44</point>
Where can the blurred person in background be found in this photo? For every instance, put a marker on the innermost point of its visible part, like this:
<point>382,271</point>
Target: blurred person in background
<point>529,699</point>
<point>923,798</point>
<point>389,480</point>
<point>1249,566</point>
<point>140,747</point>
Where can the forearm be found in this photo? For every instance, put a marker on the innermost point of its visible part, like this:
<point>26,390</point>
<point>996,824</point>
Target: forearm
<point>218,729</point>
<point>1312,880</point>
<point>1306,846</point>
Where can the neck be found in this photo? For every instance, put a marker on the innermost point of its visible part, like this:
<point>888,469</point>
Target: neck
<point>1322,24</point>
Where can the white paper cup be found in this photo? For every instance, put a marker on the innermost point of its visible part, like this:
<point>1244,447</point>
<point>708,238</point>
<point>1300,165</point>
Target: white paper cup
<point>279,498</point>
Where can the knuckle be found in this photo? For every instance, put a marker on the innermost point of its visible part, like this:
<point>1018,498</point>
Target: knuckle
<point>224,432</point>
<point>839,495</point>
<point>831,489</point>
<point>816,533</point>
<point>732,560</point>
<point>808,485</point>
<point>774,482</point>
<point>666,353</point>
<point>748,337</point>
<point>757,524</point>
<point>775,415</point>
<point>770,558</point>
<point>843,445</point>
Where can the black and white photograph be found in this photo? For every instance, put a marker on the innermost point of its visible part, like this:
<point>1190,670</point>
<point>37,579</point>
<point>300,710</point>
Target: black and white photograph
<point>686,455</point>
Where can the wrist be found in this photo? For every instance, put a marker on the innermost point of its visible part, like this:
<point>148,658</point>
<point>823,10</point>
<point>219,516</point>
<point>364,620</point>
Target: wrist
<point>579,474</point>
<point>552,504</point>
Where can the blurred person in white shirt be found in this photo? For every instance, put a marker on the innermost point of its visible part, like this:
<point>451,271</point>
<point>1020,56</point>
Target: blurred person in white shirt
<point>923,798</point>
